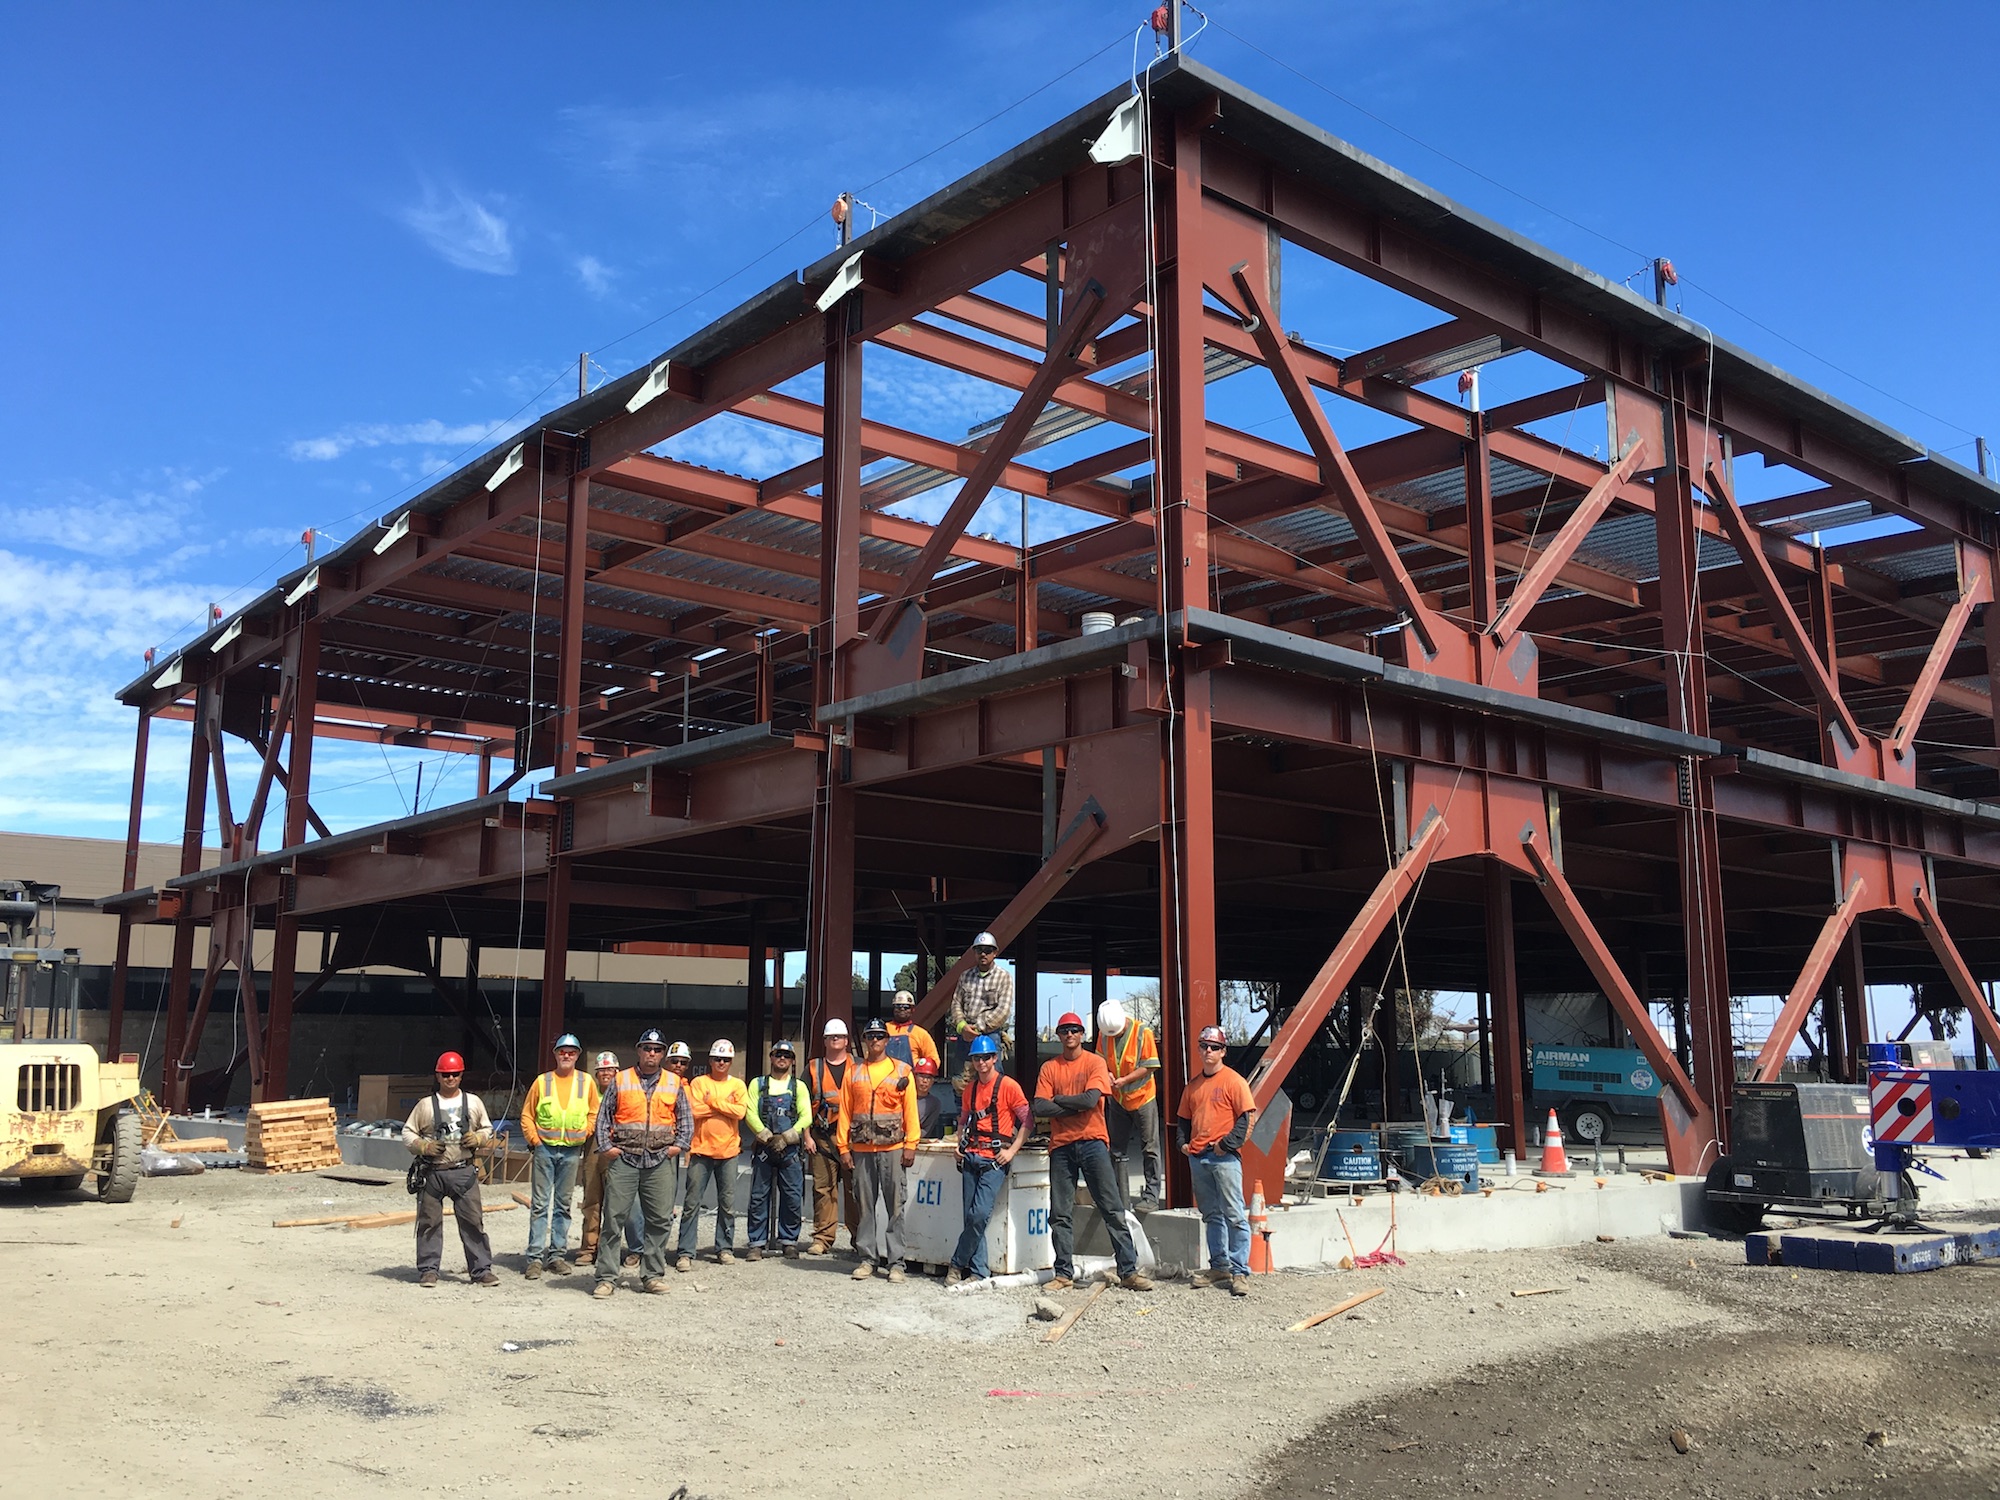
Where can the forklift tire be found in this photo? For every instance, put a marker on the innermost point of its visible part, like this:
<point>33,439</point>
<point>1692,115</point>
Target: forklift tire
<point>45,1187</point>
<point>1723,1215</point>
<point>117,1184</point>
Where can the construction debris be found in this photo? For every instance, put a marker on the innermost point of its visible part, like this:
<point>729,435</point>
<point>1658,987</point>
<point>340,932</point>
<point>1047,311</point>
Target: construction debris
<point>200,1143</point>
<point>374,1220</point>
<point>1069,1319</point>
<point>294,1135</point>
<point>1339,1308</point>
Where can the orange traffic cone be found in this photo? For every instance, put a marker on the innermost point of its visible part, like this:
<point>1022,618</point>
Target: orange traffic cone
<point>1260,1231</point>
<point>1555,1160</point>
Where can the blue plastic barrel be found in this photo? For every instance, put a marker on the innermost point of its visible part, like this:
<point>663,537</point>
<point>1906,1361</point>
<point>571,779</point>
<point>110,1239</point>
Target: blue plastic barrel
<point>1441,1159</point>
<point>1352,1156</point>
<point>1483,1138</point>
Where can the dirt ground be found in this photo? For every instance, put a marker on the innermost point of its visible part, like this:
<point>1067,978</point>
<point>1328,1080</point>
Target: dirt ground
<point>181,1345</point>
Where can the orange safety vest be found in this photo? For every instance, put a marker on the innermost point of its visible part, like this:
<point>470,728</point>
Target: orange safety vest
<point>1121,1056</point>
<point>884,1122</point>
<point>652,1109</point>
<point>826,1093</point>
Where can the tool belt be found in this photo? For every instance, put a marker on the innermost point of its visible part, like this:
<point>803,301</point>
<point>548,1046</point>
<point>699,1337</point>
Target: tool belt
<point>875,1130</point>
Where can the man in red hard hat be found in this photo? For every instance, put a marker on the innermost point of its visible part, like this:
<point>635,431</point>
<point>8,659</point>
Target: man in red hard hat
<point>1069,1094</point>
<point>930,1103</point>
<point>447,1132</point>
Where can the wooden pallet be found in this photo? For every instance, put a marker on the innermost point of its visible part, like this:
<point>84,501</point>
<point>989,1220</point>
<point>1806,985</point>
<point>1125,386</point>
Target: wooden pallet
<point>292,1135</point>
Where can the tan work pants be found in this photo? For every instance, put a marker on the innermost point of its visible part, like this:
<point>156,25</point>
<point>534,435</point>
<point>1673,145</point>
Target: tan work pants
<point>831,1178</point>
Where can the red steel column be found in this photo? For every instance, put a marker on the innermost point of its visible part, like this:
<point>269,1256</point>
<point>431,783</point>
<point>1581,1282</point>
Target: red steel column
<point>121,964</point>
<point>1188,999</point>
<point>1508,1052</point>
<point>569,664</point>
<point>181,974</point>
<point>1699,839</point>
<point>830,912</point>
<point>298,794</point>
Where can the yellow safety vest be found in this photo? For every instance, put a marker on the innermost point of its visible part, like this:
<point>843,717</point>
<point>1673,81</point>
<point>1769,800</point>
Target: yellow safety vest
<point>1121,1056</point>
<point>563,1125</point>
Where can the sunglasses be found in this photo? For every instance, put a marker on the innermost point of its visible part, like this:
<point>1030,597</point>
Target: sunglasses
<point>1069,1031</point>
<point>451,1075</point>
<point>1214,1047</point>
<point>652,1049</point>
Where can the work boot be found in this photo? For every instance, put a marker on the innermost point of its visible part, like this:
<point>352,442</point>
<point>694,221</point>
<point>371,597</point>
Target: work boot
<point>1132,1281</point>
<point>725,1257</point>
<point>954,1276</point>
<point>429,1278</point>
<point>604,1289</point>
<point>653,1284</point>
<point>486,1278</point>
<point>684,1263</point>
<point>630,1262</point>
<point>1146,1206</point>
<point>863,1271</point>
<point>562,1265</point>
<point>1210,1277</point>
<point>895,1273</point>
<point>754,1253</point>
<point>1060,1283</point>
<point>1239,1286</point>
<point>532,1270</point>
<point>816,1248</point>
<point>791,1252</point>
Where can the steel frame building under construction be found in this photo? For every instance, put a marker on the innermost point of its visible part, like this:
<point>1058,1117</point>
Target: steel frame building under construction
<point>1465,707</point>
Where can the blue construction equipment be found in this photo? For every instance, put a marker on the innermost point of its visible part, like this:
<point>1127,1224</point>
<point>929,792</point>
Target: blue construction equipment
<point>1912,1106</point>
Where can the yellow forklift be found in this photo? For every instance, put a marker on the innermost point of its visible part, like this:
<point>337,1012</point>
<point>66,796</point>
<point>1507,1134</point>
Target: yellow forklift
<point>64,1113</point>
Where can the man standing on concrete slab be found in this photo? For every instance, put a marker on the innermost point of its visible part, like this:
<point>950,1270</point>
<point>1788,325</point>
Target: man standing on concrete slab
<point>908,1041</point>
<point>994,1123</point>
<point>983,1004</point>
<point>877,1135</point>
<point>780,1112</point>
<point>930,1103</point>
<point>833,1180</point>
<point>447,1131</point>
<point>719,1103</point>
<point>1216,1116</point>
<point>1131,1055</point>
<point>557,1117</point>
<point>643,1128</point>
<point>594,1163</point>
<point>1069,1094</point>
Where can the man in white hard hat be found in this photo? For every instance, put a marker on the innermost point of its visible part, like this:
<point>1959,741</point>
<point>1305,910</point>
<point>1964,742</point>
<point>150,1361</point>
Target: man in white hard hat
<point>680,1061</point>
<point>719,1102</point>
<point>833,1182</point>
<point>984,1002</point>
<point>1131,1054</point>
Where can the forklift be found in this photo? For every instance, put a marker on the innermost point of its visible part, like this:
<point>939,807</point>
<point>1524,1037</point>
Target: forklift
<point>65,1114</point>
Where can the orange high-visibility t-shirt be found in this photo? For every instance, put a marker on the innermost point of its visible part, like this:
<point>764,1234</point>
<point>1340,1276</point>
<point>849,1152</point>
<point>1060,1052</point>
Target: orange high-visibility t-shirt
<point>719,1106</point>
<point>1211,1106</point>
<point>1062,1077</point>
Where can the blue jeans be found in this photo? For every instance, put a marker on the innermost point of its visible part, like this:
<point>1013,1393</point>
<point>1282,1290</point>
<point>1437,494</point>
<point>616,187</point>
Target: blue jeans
<point>786,1173</point>
<point>979,1182</point>
<point>554,1184</point>
<point>1218,1193</point>
<point>702,1170</point>
<point>1089,1159</point>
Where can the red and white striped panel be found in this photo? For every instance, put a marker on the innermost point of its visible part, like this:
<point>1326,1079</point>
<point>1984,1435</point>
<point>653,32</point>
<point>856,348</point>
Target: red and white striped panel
<point>1900,1107</point>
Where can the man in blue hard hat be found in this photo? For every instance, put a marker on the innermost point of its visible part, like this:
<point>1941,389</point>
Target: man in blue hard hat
<point>994,1123</point>
<point>556,1118</point>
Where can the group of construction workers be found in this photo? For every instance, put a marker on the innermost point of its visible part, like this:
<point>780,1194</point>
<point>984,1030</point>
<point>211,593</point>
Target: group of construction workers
<point>653,1140</point>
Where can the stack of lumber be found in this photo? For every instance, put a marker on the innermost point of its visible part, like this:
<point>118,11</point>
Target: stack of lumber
<point>294,1135</point>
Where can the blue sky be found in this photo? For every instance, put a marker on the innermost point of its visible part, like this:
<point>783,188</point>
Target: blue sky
<point>269,267</point>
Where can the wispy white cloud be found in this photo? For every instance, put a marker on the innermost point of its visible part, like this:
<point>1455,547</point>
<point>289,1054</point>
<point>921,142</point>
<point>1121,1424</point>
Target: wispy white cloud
<point>595,275</point>
<point>466,232</point>
<point>387,435</point>
<point>148,518</point>
<point>740,446</point>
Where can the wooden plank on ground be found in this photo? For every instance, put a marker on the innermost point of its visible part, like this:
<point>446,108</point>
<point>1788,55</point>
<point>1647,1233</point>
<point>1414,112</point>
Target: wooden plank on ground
<point>1069,1319</point>
<point>1336,1310</point>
